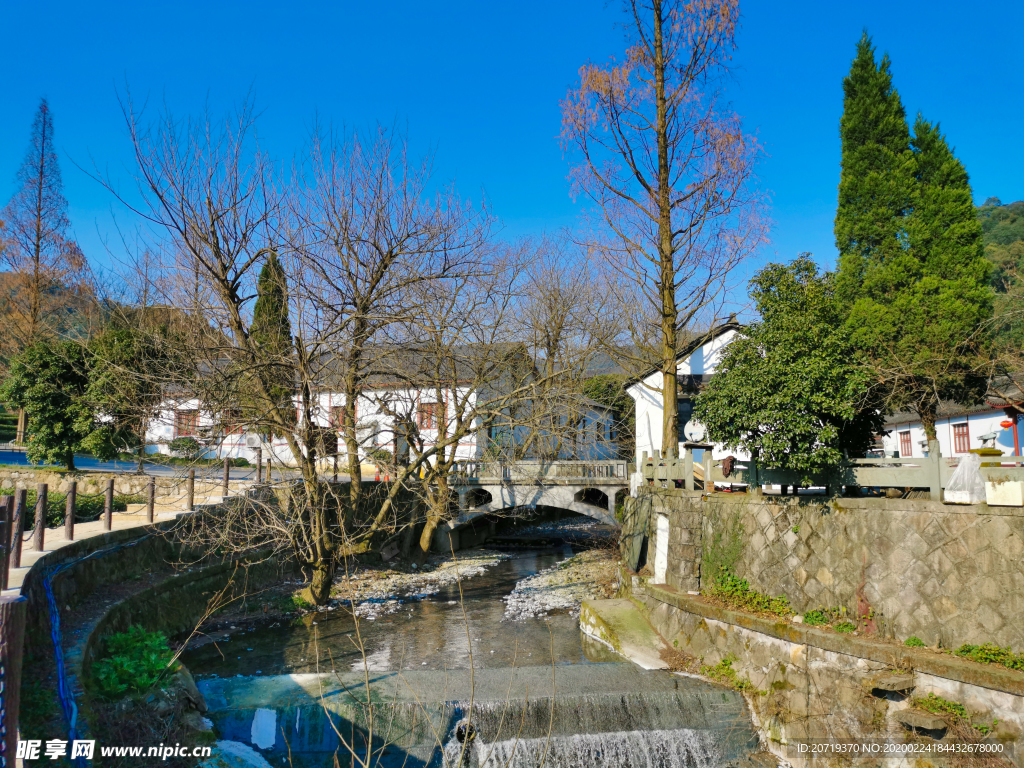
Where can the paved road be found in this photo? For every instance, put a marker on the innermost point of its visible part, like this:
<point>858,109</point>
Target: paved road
<point>157,470</point>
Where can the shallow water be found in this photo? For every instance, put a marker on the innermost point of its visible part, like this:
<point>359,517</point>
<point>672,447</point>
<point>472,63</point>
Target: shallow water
<point>591,709</point>
<point>428,633</point>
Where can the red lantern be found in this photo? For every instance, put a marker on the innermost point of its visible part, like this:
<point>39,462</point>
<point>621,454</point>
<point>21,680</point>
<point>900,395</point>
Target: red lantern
<point>1005,423</point>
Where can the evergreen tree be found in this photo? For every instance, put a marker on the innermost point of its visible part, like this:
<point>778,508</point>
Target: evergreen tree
<point>126,366</point>
<point>271,330</point>
<point>787,390</point>
<point>876,181</point>
<point>911,268</point>
<point>48,381</point>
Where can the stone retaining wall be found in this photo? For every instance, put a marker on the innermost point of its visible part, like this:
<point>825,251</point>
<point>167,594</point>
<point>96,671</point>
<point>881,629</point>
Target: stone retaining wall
<point>807,683</point>
<point>945,573</point>
<point>125,484</point>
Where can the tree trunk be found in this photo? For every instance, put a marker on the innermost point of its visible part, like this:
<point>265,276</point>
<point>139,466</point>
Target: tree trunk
<point>22,426</point>
<point>666,255</point>
<point>70,461</point>
<point>319,590</point>
<point>419,555</point>
<point>928,416</point>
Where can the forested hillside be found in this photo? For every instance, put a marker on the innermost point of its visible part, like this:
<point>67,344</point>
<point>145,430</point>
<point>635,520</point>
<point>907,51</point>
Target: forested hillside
<point>1003,231</point>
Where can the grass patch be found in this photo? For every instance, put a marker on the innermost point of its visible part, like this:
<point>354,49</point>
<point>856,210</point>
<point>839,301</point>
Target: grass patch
<point>133,663</point>
<point>845,627</point>
<point>737,593</point>
<point>990,653</point>
<point>914,642</point>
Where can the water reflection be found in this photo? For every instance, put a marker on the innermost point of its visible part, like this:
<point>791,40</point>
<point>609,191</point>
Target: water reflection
<point>437,632</point>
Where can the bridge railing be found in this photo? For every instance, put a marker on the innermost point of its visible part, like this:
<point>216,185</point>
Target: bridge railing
<point>555,471</point>
<point>932,472</point>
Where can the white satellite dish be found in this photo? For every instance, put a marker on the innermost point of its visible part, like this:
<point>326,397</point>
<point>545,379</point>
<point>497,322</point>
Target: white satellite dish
<point>694,432</point>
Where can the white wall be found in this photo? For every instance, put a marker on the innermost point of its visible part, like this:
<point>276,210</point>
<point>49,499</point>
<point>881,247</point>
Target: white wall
<point>648,397</point>
<point>978,425</point>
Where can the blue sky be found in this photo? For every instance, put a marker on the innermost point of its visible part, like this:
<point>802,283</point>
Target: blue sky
<point>479,83</point>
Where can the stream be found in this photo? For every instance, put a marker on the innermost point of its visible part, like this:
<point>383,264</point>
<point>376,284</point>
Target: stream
<point>434,668</point>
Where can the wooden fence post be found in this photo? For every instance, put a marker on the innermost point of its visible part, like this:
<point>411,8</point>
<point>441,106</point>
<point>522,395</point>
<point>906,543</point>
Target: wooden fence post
<point>12,638</point>
<point>108,506</point>
<point>150,499</point>
<point>18,527</point>
<point>190,489</point>
<point>335,466</point>
<point>259,465</point>
<point>227,476</point>
<point>7,505</point>
<point>69,511</point>
<point>40,530</point>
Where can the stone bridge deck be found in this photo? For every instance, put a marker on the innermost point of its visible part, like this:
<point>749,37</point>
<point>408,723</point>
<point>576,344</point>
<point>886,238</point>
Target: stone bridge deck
<point>490,487</point>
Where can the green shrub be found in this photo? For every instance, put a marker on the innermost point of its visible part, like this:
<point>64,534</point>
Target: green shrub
<point>188,447</point>
<point>737,593</point>
<point>989,653</point>
<point>845,627</point>
<point>133,663</point>
<point>914,642</point>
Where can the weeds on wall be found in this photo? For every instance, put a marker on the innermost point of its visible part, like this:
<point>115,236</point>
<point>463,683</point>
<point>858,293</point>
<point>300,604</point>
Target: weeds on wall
<point>736,593</point>
<point>722,549</point>
<point>990,653</point>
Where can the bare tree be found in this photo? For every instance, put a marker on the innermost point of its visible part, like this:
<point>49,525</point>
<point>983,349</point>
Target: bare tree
<point>43,263</point>
<point>561,318</point>
<point>670,172</point>
<point>372,236</point>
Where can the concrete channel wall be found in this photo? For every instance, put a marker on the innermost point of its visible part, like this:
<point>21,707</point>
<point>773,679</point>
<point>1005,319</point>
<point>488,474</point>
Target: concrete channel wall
<point>805,684</point>
<point>948,574</point>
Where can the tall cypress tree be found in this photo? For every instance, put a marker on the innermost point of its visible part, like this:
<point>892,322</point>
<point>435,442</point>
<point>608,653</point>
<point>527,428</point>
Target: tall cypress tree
<point>271,331</point>
<point>876,182</point>
<point>911,267</point>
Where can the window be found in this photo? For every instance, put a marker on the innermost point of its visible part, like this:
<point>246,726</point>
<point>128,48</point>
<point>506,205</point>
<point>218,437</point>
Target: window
<point>231,422</point>
<point>429,415</point>
<point>961,438</point>
<point>186,423</point>
<point>905,449</point>
<point>337,416</point>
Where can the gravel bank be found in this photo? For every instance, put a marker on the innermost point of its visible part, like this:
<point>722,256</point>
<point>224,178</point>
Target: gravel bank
<point>590,574</point>
<point>380,591</point>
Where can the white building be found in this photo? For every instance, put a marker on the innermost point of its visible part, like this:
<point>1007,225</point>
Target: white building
<point>958,430</point>
<point>399,410</point>
<point>695,364</point>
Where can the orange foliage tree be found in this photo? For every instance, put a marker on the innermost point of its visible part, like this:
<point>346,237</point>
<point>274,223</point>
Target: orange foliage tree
<point>670,172</point>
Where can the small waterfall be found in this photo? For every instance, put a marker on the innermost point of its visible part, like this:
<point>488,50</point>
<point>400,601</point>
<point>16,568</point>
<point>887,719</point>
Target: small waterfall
<point>676,748</point>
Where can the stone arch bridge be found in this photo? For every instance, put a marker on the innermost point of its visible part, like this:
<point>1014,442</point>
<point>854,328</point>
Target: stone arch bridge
<point>484,488</point>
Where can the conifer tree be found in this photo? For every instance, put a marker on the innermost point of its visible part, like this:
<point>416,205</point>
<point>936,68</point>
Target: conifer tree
<point>40,257</point>
<point>911,268</point>
<point>271,331</point>
<point>876,181</point>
